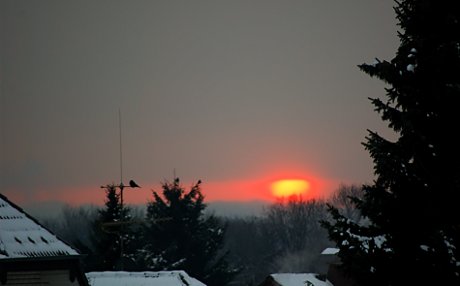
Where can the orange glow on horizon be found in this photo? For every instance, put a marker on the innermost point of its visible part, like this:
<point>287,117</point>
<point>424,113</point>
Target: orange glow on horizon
<point>289,187</point>
<point>269,188</point>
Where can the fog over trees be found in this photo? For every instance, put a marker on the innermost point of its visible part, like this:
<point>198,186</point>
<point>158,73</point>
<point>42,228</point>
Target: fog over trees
<point>285,237</point>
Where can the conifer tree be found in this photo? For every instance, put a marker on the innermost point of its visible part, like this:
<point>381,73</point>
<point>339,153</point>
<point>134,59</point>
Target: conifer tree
<point>179,236</point>
<point>413,232</point>
<point>109,229</point>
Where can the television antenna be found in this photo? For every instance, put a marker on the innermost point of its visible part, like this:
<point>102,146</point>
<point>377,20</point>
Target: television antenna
<point>121,186</point>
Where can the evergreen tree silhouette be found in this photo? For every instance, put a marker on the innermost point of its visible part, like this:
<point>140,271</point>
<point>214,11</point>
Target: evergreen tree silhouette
<point>110,227</point>
<point>412,235</point>
<point>179,236</point>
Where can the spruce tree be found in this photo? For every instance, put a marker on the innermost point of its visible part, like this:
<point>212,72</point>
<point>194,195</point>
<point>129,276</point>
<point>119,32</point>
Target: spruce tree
<point>110,228</point>
<point>413,232</point>
<point>179,236</point>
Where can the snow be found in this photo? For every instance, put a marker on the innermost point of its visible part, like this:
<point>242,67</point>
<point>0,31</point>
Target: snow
<point>367,242</point>
<point>330,251</point>
<point>375,63</point>
<point>160,278</point>
<point>299,279</point>
<point>22,236</point>
<point>410,68</point>
<point>424,247</point>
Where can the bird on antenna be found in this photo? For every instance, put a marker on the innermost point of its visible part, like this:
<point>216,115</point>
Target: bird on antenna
<point>133,184</point>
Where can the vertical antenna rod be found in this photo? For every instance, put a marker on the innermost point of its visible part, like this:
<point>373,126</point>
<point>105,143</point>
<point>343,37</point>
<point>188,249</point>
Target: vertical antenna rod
<point>121,186</point>
<point>121,153</point>
<point>121,193</point>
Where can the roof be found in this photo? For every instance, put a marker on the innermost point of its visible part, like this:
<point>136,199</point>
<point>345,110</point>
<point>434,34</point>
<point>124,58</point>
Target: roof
<point>160,278</point>
<point>298,279</point>
<point>22,236</point>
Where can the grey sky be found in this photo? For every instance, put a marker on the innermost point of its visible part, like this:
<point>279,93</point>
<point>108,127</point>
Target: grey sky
<point>218,90</point>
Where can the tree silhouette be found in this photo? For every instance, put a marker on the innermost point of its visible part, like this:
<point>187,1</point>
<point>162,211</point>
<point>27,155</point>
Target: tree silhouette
<point>413,232</point>
<point>110,228</point>
<point>178,236</point>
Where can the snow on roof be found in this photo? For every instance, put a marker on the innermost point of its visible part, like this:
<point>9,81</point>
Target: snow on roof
<point>160,278</point>
<point>299,279</point>
<point>330,251</point>
<point>22,236</point>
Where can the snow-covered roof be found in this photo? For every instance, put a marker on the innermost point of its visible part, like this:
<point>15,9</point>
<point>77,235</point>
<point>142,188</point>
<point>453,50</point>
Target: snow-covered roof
<point>299,279</point>
<point>160,278</point>
<point>21,236</point>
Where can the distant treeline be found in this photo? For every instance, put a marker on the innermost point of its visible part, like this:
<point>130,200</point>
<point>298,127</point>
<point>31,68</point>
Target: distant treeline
<point>286,237</point>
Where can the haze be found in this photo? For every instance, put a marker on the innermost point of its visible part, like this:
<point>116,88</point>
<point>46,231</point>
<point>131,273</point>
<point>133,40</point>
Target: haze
<point>235,93</point>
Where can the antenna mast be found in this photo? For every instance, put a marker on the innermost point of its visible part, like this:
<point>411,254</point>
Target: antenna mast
<point>121,152</point>
<point>121,186</point>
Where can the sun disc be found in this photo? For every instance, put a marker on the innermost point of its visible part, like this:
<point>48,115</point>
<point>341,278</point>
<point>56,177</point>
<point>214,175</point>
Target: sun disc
<point>286,188</point>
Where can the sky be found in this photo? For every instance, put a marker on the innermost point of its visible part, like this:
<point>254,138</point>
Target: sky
<point>237,94</point>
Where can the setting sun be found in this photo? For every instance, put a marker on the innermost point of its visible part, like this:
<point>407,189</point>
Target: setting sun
<point>286,188</point>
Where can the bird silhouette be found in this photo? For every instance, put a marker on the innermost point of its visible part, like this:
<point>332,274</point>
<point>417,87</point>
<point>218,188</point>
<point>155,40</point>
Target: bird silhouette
<point>133,184</point>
